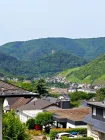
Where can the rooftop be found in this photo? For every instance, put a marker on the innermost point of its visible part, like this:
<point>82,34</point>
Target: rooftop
<point>20,102</point>
<point>37,104</point>
<point>76,114</point>
<point>9,90</point>
<point>51,99</point>
<point>96,124</point>
<point>99,104</point>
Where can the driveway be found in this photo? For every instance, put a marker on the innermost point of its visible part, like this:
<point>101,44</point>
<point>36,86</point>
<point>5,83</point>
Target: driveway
<point>39,138</point>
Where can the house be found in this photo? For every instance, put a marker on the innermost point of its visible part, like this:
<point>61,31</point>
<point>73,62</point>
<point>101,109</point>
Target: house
<point>8,102</point>
<point>31,109</point>
<point>13,103</point>
<point>70,118</point>
<point>96,121</point>
<point>62,101</point>
<point>87,90</point>
<point>71,90</point>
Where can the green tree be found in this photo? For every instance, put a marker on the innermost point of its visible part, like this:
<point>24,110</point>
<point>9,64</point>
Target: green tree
<point>44,119</point>
<point>40,87</point>
<point>79,95</point>
<point>13,129</point>
<point>91,95</point>
<point>100,94</point>
<point>27,86</point>
<point>30,123</point>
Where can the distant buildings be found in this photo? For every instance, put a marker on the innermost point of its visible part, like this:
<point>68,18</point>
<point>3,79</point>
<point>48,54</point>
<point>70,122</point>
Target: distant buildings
<point>53,51</point>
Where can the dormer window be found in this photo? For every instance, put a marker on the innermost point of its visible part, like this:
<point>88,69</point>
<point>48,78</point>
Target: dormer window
<point>94,111</point>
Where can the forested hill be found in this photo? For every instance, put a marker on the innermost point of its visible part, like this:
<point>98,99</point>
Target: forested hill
<point>33,49</point>
<point>93,72</point>
<point>8,65</point>
<point>45,66</point>
<point>59,61</point>
<point>48,56</point>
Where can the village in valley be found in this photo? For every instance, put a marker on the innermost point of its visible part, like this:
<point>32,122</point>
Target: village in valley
<point>52,70</point>
<point>59,103</point>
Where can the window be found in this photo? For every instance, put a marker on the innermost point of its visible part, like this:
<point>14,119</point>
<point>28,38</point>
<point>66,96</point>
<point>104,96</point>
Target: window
<point>67,135</point>
<point>94,111</point>
<point>104,114</point>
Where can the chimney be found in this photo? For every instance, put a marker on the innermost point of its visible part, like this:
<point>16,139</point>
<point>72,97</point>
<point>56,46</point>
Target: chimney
<point>65,102</point>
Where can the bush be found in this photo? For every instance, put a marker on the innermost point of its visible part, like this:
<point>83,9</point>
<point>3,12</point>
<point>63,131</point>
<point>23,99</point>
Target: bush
<point>75,103</point>
<point>82,138</point>
<point>13,129</point>
<point>44,119</point>
<point>30,124</point>
<point>53,132</point>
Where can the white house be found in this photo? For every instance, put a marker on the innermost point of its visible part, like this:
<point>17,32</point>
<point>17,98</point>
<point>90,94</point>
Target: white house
<point>14,103</point>
<point>31,109</point>
<point>70,118</point>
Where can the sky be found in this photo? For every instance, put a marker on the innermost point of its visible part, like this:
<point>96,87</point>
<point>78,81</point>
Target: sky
<point>32,19</point>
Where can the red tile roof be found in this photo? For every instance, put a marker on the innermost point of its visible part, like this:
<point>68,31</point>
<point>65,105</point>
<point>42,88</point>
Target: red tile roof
<point>20,102</point>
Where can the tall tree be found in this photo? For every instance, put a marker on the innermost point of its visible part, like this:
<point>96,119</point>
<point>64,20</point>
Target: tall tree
<point>40,87</point>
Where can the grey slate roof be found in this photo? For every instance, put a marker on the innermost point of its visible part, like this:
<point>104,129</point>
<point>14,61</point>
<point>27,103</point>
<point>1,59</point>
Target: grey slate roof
<point>96,124</point>
<point>9,90</point>
<point>51,99</point>
<point>100,104</point>
<point>38,104</point>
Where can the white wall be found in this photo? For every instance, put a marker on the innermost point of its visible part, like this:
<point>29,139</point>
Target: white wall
<point>27,114</point>
<point>23,117</point>
<point>69,125</point>
<point>5,103</point>
<point>6,106</point>
<point>94,134</point>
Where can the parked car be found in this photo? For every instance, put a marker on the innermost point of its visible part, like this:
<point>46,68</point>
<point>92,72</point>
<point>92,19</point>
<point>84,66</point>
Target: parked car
<point>59,135</point>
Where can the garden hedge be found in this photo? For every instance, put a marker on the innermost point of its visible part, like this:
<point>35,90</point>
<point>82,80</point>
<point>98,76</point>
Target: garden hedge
<point>82,138</point>
<point>53,132</point>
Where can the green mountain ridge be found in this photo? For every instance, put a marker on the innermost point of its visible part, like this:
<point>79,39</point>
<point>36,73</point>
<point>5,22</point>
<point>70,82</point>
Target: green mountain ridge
<point>49,56</point>
<point>45,66</point>
<point>93,72</point>
<point>34,49</point>
<point>59,61</point>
